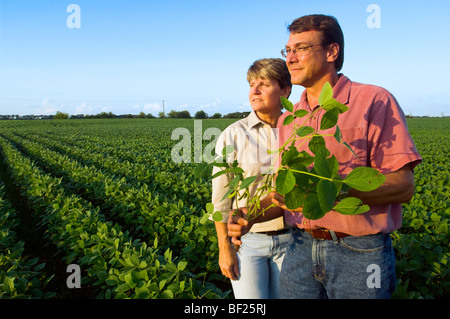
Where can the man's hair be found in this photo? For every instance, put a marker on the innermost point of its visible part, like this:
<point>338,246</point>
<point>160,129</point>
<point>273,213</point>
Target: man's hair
<point>331,32</point>
<point>270,69</point>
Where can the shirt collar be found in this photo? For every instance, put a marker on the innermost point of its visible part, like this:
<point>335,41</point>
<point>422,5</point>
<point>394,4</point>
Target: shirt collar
<point>341,91</point>
<point>254,120</point>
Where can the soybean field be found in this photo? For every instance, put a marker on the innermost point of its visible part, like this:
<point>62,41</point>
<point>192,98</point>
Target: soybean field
<point>99,208</point>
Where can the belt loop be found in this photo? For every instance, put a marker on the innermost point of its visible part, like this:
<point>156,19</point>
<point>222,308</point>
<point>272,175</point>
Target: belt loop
<point>334,237</point>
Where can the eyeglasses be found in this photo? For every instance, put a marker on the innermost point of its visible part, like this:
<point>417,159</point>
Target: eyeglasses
<point>299,50</point>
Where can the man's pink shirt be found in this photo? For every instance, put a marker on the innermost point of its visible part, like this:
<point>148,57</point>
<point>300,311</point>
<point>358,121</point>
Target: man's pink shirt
<point>375,128</point>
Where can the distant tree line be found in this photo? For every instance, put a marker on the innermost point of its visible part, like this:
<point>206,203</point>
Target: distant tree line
<point>172,115</point>
<point>103,115</point>
<point>202,115</point>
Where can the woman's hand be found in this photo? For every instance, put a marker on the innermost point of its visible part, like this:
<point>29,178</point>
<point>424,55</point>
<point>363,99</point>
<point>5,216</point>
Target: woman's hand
<point>278,200</point>
<point>228,262</point>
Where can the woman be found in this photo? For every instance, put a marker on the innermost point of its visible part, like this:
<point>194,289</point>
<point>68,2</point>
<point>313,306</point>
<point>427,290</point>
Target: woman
<point>255,268</point>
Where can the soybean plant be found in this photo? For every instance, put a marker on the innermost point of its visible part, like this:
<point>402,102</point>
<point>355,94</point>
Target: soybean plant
<point>306,179</point>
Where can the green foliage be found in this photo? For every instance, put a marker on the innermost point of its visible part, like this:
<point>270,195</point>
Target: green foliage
<point>179,114</point>
<point>200,115</point>
<point>308,181</point>
<point>127,203</point>
<point>422,243</point>
<point>101,207</point>
<point>61,116</point>
<point>20,276</point>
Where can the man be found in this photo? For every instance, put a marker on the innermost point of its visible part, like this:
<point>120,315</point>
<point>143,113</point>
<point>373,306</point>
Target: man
<point>340,256</point>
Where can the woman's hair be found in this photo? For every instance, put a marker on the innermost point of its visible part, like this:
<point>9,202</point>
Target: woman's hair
<point>331,32</point>
<point>270,69</point>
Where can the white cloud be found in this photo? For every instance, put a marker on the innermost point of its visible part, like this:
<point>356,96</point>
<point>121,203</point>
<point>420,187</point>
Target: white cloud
<point>152,108</point>
<point>48,107</point>
<point>84,108</point>
<point>216,102</point>
<point>149,108</point>
<point>89,108</point>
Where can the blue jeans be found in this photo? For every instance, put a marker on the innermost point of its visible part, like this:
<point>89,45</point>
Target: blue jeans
<point>260,257</point>
<point>350,267</point>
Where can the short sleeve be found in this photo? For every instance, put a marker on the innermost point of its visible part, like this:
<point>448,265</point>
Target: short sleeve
<point>390,143</point>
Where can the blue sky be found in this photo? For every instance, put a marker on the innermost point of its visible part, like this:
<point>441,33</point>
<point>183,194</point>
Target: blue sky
<point>129,56</point>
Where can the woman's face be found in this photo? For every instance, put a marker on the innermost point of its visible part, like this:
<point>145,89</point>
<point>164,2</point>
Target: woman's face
<point>264,95</point>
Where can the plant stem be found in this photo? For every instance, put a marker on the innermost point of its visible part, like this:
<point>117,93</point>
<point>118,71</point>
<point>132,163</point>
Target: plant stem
<point>314,175</point>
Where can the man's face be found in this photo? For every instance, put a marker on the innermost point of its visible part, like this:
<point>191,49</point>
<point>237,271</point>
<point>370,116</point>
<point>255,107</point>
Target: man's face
<point>309,65</point>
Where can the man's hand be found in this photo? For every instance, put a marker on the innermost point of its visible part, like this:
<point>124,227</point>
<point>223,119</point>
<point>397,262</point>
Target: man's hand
<point>238,226</point>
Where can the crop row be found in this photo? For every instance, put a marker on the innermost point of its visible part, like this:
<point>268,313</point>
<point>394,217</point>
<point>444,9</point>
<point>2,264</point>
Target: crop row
<point>115,264</point>
<point>162,178</point>
<point>115,180</point>
<point>20,277</point>
<point>175,225</point>
<point>422,244</point>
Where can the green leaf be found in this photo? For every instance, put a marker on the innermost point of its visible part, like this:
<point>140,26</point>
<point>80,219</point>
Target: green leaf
<point>364,179</point>
<point>143,264</point>
<point>301,113</point>
<point>321,164</point>
<point>204,219</point>
<point>135,260</point>
<point>295,198</point>
<point>303,158</point>
<point>332,104</point>
<point>202,170</point>
<point>288,119</point>
<point>8,285</point>
<point>300,179</point>
<point>234,182</point>
<point>287,104</point>
<point>329,119</point>
<point>228,149</point>
<point>217,216</point>
<point>230,193</point>
<point>122,288</point>
<point>248,181</point>
<point>338,136</point>
<point>311,207</point>
<point>287,156</point>
<point>316,144</point>
<point>167,294</point>
<point>285,182</point>
<point>304,130</point>
<point>351,206</point>
<point>237,170</point>
<point>326,93</point>
<point>326,192</point>
<point>221,172</point>
<point>182,265</point>
<point>220,162</point>
<point>209,208</point>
